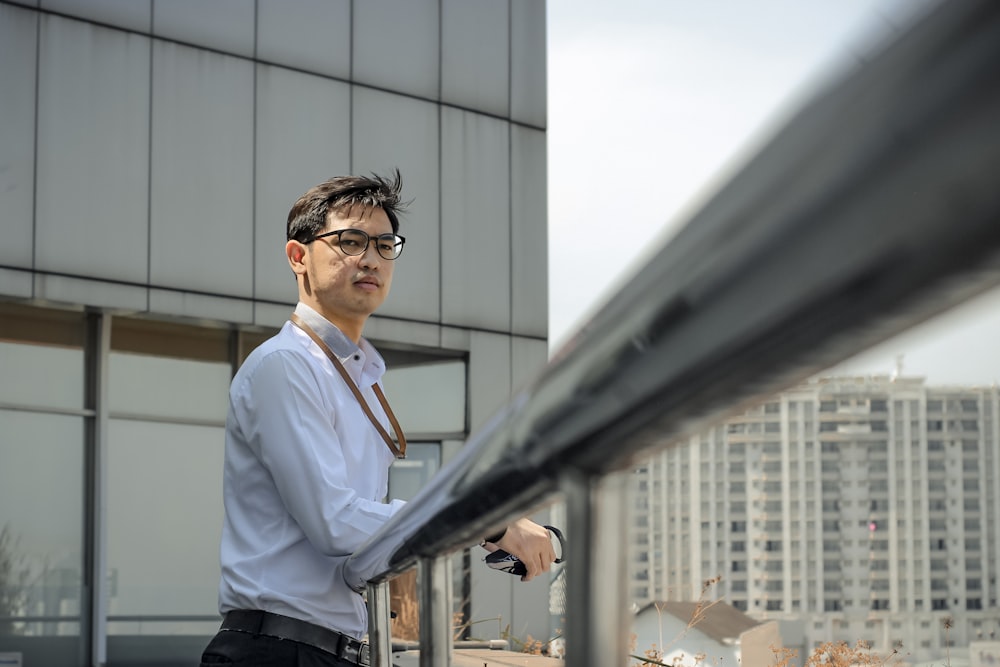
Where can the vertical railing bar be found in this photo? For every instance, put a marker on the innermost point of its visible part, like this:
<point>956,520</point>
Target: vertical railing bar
<point>434,585</point>
<point>379,632</point>
<point>596,559</point>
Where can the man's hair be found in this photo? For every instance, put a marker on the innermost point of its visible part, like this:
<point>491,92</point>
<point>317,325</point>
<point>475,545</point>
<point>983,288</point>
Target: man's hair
<point>308,216</point>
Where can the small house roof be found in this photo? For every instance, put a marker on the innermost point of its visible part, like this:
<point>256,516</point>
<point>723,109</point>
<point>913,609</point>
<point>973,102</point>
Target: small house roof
<point>716,619</point>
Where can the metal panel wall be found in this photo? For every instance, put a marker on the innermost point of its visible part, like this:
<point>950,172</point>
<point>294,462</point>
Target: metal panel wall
<point>224,25</point>
<point>412,28</point>
<point>93,164</point>
<point>475,220</point>
<point>18,34</point>
<point>97,293</point>
<point>529,233</point>
<point>202,171</point>
<point>131,14</point>
<point>527,62</point>
<point>528,357</point>
<point>167,160</point>
<point>475,50</point>
<point>200,306</point>
<point>303,138</point>
<point>489,375</point>
<point>168,155</point>
<point>395,131</point>
<point>314,36</point>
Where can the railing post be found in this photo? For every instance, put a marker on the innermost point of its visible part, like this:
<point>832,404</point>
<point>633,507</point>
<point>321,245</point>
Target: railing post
<point>434,585</point>
<point>379,634</point>
<point>596,569</point>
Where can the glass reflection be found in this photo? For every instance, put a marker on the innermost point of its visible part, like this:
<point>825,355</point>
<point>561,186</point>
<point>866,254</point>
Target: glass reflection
<point>409,475</point>
<point>41,491</point>
<point>164,471</point>
<point>152,386</point>
<point>164,518</point>
<point>429,398</point>
<point>45,376</point>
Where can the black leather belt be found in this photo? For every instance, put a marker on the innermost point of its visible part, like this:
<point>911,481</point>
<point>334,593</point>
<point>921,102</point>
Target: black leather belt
<point>265,623</point>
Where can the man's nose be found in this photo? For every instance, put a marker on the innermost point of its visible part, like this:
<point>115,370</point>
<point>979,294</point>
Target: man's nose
<point>370,256</point>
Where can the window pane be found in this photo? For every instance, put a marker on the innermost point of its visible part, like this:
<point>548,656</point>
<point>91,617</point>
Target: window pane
<point>429,398</point>
<point>409,475</point>
<point>166,387</point>
<point>41,491</point>
<point>406,478</point>
<point>164,522</point>
<point>41,375</point>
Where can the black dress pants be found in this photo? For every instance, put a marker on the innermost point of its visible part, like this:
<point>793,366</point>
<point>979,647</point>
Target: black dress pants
<point>243,649</point>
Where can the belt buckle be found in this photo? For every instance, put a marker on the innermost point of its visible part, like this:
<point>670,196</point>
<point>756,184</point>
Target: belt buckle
<point>354,651</point>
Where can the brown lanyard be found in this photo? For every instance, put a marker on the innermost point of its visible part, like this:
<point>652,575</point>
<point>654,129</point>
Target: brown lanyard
<point>400,451</point>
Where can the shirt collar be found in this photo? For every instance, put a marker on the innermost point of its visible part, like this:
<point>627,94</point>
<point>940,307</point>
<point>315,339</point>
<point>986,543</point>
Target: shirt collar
<point>363,355</point>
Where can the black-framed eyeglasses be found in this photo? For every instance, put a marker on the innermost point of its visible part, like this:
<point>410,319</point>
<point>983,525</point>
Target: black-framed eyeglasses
<point>355,242</point>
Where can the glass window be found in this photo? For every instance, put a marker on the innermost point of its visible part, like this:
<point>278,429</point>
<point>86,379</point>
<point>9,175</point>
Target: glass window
<point>428,398</point>
<point>41,535</point>
<point>165,445</point>
<point>41,483</point>
<point>46,376</point>
<point>407,476</point>
<point>164,521</point>
<point>167,388</point>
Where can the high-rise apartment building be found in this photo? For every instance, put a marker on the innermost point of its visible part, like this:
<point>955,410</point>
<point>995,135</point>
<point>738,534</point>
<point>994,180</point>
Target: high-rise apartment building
<point>866,508</point>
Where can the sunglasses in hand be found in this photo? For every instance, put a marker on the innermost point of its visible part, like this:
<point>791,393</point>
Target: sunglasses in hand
<point>506,562</point>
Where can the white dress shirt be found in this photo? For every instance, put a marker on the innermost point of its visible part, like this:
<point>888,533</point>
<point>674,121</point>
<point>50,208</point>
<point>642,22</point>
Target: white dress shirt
<point>305,477</point>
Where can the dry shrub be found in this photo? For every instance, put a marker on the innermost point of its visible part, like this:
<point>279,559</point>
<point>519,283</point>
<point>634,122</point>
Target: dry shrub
<point>841,654</point>
<point>403,601</point>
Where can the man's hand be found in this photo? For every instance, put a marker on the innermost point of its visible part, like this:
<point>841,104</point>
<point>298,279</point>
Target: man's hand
<point>531,543</point>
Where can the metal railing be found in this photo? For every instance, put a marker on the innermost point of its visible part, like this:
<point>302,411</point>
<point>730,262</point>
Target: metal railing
<point>875,208</point>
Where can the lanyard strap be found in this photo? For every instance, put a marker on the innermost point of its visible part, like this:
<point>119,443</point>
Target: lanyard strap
<point>400,451</point>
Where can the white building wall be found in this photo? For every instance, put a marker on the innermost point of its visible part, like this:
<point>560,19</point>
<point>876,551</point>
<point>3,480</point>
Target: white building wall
<point>194,128</point>
<point>864,507</point>
<point>149,153</point>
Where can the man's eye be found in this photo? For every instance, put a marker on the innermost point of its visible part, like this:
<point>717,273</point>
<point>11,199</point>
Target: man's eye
<point>349,243</point>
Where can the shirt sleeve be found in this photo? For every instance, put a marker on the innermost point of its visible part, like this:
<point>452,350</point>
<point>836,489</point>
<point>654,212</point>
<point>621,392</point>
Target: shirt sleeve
<point>289,428</point>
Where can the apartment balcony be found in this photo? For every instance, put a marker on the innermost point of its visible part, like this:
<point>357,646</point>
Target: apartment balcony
<point>853,410</point>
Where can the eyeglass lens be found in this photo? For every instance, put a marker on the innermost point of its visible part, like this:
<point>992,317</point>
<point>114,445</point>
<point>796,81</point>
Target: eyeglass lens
<point>355,242</point>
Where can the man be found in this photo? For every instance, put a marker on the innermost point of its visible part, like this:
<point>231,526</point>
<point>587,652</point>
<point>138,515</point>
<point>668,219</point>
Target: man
<point>307,448</point>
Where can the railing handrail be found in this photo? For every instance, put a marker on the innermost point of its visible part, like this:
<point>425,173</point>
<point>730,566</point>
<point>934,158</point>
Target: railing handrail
<point>875,208</point>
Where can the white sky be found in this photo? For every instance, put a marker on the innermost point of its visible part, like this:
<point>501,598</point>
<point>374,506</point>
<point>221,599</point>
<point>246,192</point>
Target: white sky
<point>661,98</point>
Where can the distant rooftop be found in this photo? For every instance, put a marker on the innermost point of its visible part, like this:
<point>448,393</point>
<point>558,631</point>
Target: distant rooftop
<point>718,620</point>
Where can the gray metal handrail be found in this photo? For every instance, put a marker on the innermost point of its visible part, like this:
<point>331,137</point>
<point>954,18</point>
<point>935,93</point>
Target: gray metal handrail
<point>876,207</point>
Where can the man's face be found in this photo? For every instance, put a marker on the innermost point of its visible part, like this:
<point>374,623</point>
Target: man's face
<point>348,288</point>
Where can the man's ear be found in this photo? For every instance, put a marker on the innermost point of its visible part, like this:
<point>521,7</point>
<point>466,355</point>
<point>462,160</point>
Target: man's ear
<point>296,252</point>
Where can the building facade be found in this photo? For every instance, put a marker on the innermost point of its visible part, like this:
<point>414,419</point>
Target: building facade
<point>149,153</point>
<point>864,508</point>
